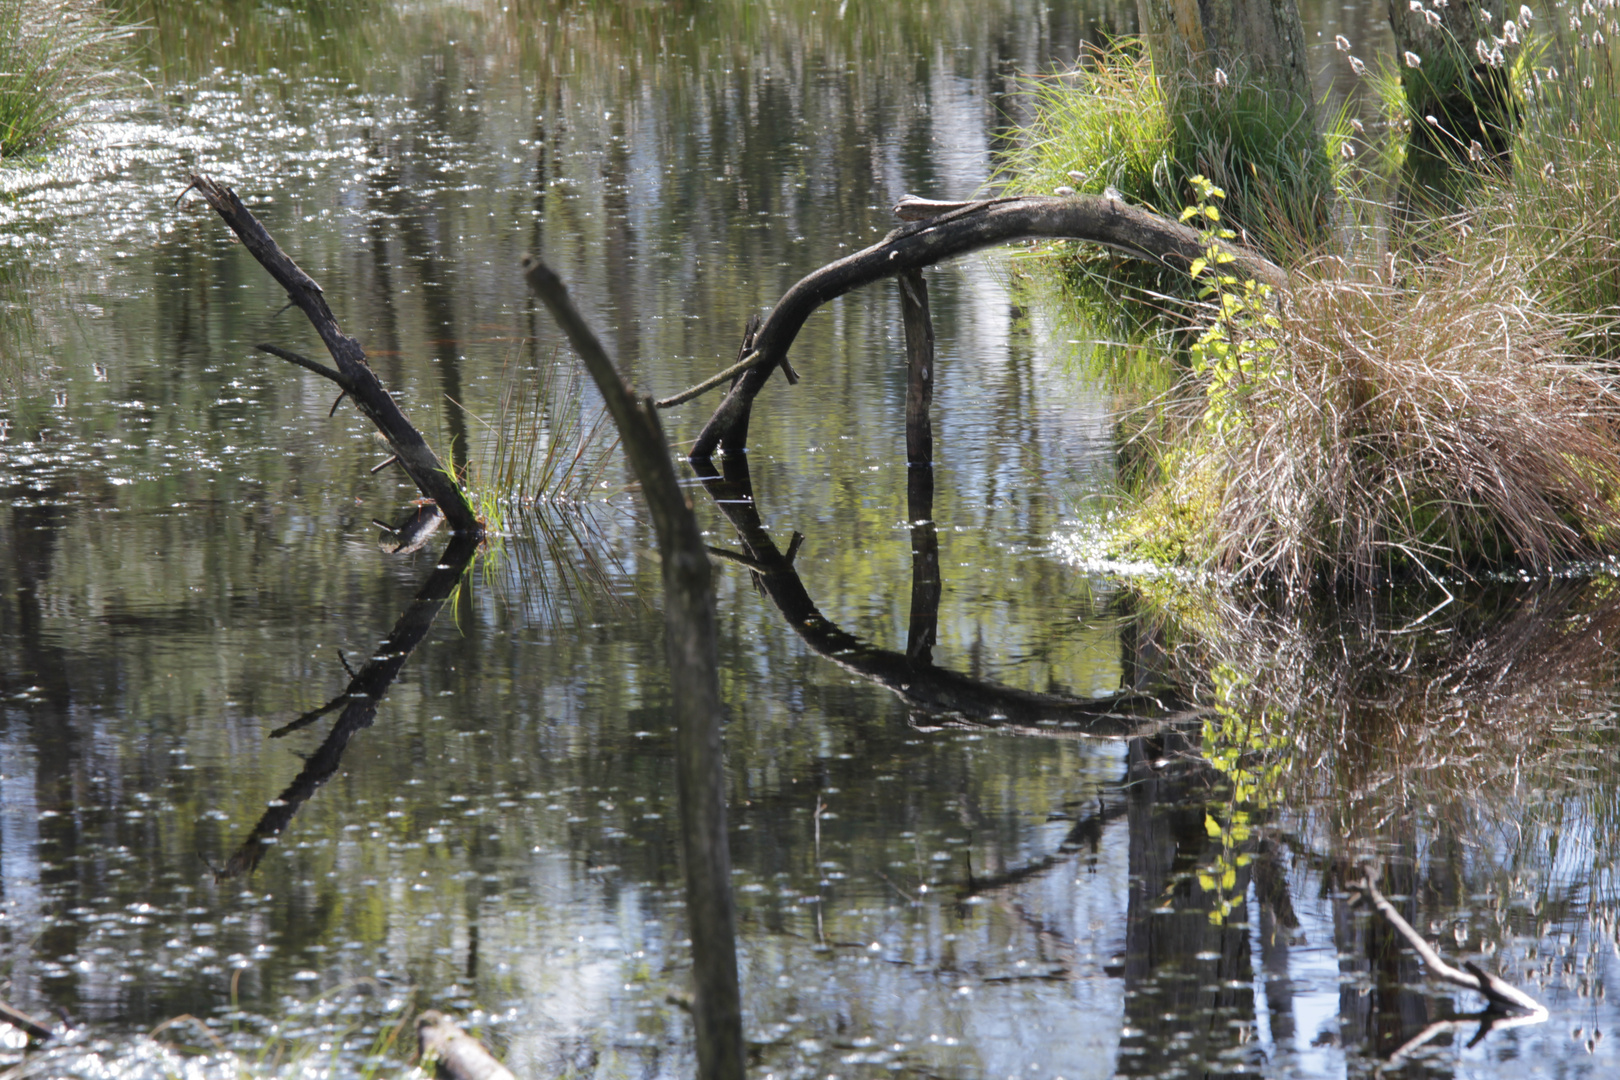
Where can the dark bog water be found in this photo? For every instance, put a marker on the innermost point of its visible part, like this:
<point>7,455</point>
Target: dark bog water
<point>190,559</point>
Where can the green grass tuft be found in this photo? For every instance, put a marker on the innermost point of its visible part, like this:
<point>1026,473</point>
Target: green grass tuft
<point>54,57</point>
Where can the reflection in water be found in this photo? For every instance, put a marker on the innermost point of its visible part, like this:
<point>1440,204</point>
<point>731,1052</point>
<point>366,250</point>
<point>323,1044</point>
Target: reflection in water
<point>928,691</point>
<point>358,701</point>
<point>188,540</point>
<point>1189,984</point>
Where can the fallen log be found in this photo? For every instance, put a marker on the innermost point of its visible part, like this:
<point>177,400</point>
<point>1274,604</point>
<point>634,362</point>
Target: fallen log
<point>353,375</point>
<point>959,230</point>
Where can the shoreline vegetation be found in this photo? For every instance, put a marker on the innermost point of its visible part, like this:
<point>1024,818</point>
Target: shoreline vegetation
<point>55,58</point>
<point>1433,393</point>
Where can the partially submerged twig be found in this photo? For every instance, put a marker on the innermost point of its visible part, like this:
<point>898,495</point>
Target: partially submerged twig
<point>1500,994</point>
<point>454,1054</point>
<point>22,1021</point>
<point>353,374</point>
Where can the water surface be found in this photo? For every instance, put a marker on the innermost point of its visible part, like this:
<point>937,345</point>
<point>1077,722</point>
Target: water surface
<point>191,548</point>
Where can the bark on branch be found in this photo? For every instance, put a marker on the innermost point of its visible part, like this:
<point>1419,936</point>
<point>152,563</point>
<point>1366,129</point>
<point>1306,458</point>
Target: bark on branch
<point>353,374</point>
<point>454,1054</point>
<point>959,230</point>
<point>690,642</point>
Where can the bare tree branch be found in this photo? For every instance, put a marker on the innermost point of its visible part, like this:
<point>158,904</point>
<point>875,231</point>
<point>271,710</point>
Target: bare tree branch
<point>1497,992</point>
<point>353,374</point>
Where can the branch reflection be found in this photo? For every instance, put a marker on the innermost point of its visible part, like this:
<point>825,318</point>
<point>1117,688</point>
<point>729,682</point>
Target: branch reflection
<point>358,701</point>
<point>928,691</point>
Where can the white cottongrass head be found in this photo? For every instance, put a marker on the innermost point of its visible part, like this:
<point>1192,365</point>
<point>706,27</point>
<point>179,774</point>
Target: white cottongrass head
<point>1412,59</point>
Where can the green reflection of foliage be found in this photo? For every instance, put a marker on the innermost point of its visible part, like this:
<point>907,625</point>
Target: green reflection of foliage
<point>1248,751</point>
<point>192,38</point>
<point>16,326</point>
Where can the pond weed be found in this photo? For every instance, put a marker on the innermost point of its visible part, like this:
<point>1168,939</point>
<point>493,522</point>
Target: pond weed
<point>534,482</point>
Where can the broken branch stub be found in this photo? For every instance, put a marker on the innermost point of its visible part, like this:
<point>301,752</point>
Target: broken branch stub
<point>961,230</point>
<point>353,374</point>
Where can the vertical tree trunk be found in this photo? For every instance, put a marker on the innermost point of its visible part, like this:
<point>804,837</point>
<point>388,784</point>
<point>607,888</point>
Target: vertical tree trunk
<point>1454,62</point>
<point>690,645</point>
<point>1239,93</point>
<point>1263,40</point>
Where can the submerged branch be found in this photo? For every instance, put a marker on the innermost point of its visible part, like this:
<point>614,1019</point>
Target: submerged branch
<point>1500,994</point>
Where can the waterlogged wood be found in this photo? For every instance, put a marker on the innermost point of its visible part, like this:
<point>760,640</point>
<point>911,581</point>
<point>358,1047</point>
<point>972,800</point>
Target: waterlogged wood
<point>964,229</point>
<point>353,374</point>
<point>23,1022</point>
<point>926,586</point>
<point>454,1054</point>
<point>928,691</point>
<point>690,643</point>
<point>1499,993</point>
<point>358,701</point>
<point>919,369</point>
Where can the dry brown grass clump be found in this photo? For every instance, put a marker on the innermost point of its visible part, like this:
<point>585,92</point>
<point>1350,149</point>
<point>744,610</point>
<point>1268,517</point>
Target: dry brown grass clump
<point>1445,422</point>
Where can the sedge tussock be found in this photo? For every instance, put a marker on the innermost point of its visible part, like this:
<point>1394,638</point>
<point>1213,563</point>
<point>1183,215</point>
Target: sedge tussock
<point>1444,423</point>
